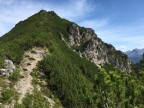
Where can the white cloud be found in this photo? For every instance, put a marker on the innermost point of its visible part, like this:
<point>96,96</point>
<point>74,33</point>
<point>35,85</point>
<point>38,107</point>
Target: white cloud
<point>123,37</point>
<point>122,48</point>
<point>73,9</point>
<point>13,11</point>
<point>94,23</point>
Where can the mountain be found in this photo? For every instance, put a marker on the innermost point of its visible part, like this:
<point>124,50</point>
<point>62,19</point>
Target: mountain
<point>135,55</point>
<point>82,40</point>
<point>49,62</point>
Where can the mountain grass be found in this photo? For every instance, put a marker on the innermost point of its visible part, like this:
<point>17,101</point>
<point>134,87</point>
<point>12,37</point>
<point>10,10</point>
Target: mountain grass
<point>77,82</point>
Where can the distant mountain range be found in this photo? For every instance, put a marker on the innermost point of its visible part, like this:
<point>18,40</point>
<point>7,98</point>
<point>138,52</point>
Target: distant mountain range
<point>135,55</point>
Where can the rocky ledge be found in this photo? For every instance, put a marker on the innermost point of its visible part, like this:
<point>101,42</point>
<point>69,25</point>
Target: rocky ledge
<point>87,44</point>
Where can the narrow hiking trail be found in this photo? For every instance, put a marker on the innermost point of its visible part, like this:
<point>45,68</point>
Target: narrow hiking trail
<point>28,63</point>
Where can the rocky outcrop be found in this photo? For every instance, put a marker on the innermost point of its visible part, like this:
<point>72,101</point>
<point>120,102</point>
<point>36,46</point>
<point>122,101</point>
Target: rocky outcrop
<point>9,68</point>
<point>86,42</point>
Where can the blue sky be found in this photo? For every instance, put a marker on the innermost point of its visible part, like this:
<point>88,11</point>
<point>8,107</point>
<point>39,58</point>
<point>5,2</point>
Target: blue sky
<point>118,22</point>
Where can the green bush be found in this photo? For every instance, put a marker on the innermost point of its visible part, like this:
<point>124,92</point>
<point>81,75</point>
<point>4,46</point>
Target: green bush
<point>15,76</point>
<point>7,95</point>
<point>67,81</point>
<point>35,100</point>
<point>1,62</point>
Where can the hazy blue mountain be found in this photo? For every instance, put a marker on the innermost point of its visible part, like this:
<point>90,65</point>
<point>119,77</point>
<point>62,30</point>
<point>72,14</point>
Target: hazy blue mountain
<point>135,55</point>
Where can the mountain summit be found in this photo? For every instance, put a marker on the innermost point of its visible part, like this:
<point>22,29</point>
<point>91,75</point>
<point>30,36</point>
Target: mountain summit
<point>49,12</point>
<point>82,40</point>
<point>47,61</point>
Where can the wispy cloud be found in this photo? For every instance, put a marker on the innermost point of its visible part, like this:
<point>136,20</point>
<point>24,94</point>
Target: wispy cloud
<point>94,23</point>
<point>13,11</point>
<point>123,48</point>
<point>122,36</point>
<point>117,33</point>
<point>73,9</point>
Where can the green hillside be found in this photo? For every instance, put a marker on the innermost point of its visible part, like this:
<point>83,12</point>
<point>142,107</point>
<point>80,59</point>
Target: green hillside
<point>74,80</point>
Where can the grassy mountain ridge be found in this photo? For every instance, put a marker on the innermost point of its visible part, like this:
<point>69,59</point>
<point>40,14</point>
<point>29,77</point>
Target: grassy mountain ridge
<point>32,32</point>
<point>74,80</point>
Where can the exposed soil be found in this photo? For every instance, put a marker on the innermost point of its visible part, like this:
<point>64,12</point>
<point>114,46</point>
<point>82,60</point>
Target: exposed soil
<point>28,63</point>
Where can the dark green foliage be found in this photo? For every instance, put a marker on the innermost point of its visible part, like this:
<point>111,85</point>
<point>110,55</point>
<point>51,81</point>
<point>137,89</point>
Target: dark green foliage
<point>15,76</point>
<point>32,32</point>
<point>7,95</point>
<point>39,30</point>
<point>115,89</point>
<point>109,67</point>
<point>35,100</point>
<point>1,62</point>
<point>67,81</point>
<point>36,74</point>
<point>77,82</point>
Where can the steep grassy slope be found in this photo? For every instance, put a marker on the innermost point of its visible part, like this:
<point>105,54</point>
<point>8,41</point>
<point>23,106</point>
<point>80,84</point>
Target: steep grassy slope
<point>77,82</point>
<point>39,30</point>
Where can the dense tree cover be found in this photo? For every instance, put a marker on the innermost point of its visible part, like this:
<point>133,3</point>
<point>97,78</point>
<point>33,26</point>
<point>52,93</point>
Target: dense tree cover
<point>77,82</point>
<point>119,89</point>
<point>139,66</point>
<point>104,89</point>
<point>68,81</point>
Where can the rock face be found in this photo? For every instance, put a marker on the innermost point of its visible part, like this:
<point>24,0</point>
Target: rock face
<point>9,68</point>
<point>87,44</point>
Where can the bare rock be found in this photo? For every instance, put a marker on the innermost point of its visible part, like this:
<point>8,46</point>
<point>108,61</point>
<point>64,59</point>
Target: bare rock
<point>95,50</point>
<point>9,68</point>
